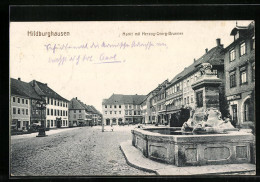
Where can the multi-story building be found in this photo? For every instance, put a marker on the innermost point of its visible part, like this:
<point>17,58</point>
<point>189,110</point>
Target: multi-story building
<point>56,106</point>
<point>96,116</point>
<point>174,99</point>
<point>159,102</point>
<point>122,109</point>
<point>19,105</point>
<point>164,104</point>
<point>81,114</point>
<point>153,106</point>
<point>24,101</point>
<point>240,75</point>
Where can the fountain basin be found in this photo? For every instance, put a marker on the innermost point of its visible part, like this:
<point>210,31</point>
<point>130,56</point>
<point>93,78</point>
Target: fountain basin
<point>169,145</point>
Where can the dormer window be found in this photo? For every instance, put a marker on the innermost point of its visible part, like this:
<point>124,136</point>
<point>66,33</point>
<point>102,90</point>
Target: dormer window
<point>237,35</point>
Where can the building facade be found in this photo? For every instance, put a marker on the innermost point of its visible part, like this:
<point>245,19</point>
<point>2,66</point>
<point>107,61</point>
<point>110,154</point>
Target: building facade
<point>240,75</point>
<point>169,100</point>
<point>119,109</point>
<point>56,106</point>
<point>79,114</point>
<point>24,111</point>
<point>20,115</point>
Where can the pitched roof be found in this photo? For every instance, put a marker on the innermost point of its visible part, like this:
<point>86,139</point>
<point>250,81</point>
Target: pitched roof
<point>21,88</point>
<point>44,90</point>
<point>96,111</point>
<point>215,56</point>
<point>75,104</point>
<point>124,99</point>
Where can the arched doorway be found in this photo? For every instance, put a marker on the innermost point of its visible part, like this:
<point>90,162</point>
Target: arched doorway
<point>120,121</point>
<point>107,121</point>
<point>114,121</point>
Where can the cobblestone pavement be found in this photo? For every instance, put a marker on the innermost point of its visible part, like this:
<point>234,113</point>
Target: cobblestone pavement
<point>82,151</point>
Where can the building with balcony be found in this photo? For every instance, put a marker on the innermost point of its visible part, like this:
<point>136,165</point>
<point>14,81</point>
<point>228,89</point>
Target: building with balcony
<point>119,109</point>
<point>56,106</point>
<point>240,75</point>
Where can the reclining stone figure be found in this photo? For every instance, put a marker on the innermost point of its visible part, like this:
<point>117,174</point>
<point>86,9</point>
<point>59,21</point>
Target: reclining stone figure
<point>206,121</point>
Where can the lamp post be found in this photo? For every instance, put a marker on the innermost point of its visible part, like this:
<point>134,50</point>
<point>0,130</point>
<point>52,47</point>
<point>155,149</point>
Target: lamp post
<point>102,122</point>
<point>41,105</point>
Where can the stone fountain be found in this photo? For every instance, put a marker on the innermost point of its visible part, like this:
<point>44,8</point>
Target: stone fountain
<point>204,139</point>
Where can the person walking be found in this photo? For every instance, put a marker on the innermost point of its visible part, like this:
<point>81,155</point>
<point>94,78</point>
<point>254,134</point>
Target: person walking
<point>112,128</point>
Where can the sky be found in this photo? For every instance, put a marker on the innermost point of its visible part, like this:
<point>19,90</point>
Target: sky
<point>98,59</point>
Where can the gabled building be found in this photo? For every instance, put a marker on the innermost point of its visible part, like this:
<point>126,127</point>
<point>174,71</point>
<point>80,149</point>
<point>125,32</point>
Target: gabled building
<point>157,103</point>
<point>56,106</point>
<point>240,75</point>
<point>96,116</point>
<point>119,109</point>
<point>21,97</point>
<point>81,114</point>
<point>78,115</point>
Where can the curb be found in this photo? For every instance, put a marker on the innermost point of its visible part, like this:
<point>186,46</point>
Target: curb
<point>157,172</point>
<point>135,166</point>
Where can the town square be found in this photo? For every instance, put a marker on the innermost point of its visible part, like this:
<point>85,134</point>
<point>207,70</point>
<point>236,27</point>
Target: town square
<point>148,102</point>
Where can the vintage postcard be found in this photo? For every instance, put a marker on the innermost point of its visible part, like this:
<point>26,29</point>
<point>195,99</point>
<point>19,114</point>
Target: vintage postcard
<point>123,98</point>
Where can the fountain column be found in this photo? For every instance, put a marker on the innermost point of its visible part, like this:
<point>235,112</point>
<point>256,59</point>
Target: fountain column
<point>206,88</point>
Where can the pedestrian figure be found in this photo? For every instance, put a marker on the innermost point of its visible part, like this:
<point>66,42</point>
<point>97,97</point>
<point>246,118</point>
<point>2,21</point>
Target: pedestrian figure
<point>112,128</point>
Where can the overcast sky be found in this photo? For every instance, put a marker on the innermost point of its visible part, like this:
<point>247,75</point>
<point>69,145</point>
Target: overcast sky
<point>133,69</point>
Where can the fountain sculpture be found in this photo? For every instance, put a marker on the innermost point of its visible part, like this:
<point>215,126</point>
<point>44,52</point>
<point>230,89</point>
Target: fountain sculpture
<point>204,139</point>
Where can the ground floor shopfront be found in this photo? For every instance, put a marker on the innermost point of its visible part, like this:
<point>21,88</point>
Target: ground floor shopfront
<point>123,120</point>
<point>81,122</point>
<point>173,118</point>
<point>57,122</point>
<point>242,109</point>
<point>20,124</point>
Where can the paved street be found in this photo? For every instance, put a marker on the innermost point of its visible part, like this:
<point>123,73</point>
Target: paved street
<point>76,151</point>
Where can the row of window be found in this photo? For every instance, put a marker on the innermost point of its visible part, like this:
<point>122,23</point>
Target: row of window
<point>57,112</point>
<point>82,116</point>
<point>19,100</point>
<point>55,102</point>
<point>242,49</point>
<point>243,76</point>
<point>188,100</point>
<point>21,111</point>
<point>174,89</point>
<point>126,112</point>
<point>126,106</point>
<point>52,123</point>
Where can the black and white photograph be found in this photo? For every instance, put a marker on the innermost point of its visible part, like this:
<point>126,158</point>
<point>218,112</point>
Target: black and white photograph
<point>132,98</point>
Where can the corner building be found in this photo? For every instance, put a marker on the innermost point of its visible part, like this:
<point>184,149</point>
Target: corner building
<point>119,109</point>
<point>240,75</point>
<point>56,106</point>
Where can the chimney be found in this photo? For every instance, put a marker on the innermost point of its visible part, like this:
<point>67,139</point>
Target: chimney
<point>33,83</point>
<point>218,41</point>
<point>206,50</point>
<point>19,78</point>
<point>46,84</point>
<point>194,60</point>
<point>76,98</point>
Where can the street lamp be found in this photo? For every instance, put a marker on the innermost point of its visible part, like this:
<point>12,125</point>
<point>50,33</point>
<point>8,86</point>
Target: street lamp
<point>102,121</point>
<point>41,105</point>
